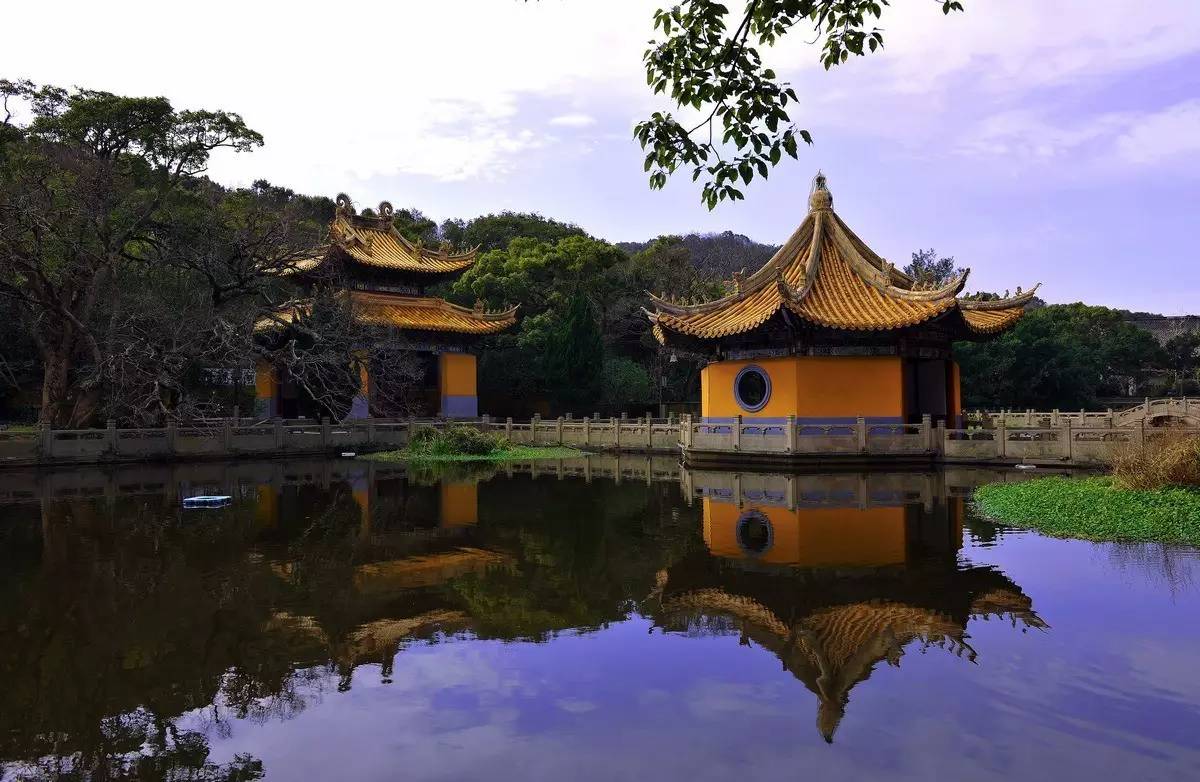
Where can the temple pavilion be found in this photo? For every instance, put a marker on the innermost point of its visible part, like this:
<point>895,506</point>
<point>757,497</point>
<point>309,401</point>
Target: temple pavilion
<point>829,331</point>
<point>383,276</point>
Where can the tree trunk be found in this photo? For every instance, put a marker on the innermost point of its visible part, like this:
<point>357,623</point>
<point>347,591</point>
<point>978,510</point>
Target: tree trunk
<point>64,405</point>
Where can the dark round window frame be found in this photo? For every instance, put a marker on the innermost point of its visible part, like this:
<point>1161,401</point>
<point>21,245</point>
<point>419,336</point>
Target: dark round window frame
<point>737,381</point>
<point>744,520</point>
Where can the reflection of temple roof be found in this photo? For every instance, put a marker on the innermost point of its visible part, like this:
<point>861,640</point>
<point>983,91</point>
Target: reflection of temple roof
<point>428,570</point>
<point>832,647</point>
<point>825,275</point>
<point>377,641</point>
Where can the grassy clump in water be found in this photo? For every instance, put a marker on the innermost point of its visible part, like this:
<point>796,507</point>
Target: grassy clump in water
<point>467,444</point>
<point>1165,459</point>
<point>1095,509</point>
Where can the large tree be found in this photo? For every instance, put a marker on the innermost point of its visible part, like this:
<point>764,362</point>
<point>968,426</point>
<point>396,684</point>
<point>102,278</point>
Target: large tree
<point>1059,356</point>
<point>736,121</point>
<point>84,182</point>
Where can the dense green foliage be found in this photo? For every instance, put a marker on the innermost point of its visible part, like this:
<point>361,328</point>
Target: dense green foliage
<point>709,65</point>
<point>1059,356</point>
<point>583,343</point>
<point>1094,509</point>
<point>127,279</point>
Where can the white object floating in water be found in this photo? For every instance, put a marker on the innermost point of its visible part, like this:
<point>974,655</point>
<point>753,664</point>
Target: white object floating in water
<point>207,501</point>
<point>1026,466</point>
<point>349,454</point>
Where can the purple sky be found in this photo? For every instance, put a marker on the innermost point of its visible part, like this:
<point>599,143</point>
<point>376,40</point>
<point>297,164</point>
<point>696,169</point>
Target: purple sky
<point>1034,141</point>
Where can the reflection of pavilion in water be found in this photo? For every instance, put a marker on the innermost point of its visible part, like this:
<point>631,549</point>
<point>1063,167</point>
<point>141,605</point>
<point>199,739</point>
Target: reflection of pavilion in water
<point>412,540</point>
<point>834,574</point>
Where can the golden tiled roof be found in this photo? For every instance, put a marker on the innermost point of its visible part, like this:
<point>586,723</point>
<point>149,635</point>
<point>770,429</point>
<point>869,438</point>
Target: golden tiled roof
<point>426,314</point>
<point>992,321</point>
<point>375,242</point>
<point>826,275</point>
<point>417,313</point>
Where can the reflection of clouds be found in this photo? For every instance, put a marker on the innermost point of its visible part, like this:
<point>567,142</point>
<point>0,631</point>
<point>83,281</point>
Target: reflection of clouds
<point>619,704</point>
<point>711,698</point>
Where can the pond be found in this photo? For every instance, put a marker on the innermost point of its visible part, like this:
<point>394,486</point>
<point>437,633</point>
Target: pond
<point>609,618</point>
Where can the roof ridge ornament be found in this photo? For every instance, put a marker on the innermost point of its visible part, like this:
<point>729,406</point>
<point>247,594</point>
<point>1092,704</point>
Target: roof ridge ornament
<point>344,206</point>
<point>819,197</point>
<point>386,211</point>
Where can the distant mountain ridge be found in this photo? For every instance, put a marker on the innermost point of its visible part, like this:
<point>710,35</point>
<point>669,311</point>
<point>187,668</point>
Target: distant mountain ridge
<point>718,254</point>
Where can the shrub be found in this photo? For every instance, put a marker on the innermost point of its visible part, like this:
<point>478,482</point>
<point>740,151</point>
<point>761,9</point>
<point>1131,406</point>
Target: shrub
<point>456,440</point>
<point>1162,460</point>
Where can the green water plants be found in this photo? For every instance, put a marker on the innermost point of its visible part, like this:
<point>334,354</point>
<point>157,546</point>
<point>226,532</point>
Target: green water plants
<point>1097,508</point>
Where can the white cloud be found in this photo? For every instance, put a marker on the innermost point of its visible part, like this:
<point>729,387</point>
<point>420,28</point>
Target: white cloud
<point>1167,135</point>
<point>573,120</point>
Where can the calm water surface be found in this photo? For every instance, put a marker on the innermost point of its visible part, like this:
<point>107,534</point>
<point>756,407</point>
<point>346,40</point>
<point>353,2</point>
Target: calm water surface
<point>597,620</point>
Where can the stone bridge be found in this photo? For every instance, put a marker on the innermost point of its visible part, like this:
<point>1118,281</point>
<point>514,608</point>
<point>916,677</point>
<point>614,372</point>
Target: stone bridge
<point>1171,411</point>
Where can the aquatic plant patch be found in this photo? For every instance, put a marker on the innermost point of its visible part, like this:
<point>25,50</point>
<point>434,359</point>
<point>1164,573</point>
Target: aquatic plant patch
<point>1094,509</point>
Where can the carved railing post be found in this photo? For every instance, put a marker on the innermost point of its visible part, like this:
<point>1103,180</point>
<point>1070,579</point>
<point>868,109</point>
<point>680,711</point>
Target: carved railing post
<point>860,429</point>
<point>736,433</point>
<point>791,433</point>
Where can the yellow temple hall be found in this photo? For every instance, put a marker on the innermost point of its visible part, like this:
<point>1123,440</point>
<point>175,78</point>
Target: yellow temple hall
<point>383,277</point>
<point>828,331</point>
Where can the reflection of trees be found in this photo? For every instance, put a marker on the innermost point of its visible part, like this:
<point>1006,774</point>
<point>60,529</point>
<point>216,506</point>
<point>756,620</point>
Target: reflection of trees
<point>121,616</point>
<point>130,620</point>
<point>580,558</point>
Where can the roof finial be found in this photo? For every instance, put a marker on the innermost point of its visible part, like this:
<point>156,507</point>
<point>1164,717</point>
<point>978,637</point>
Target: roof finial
<point>344,205</point>
<point>820,197</point>
<point>386,212</point>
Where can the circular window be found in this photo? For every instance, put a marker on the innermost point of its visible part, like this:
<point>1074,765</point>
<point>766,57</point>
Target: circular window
<point>754,533</point>
<point>752,388</point>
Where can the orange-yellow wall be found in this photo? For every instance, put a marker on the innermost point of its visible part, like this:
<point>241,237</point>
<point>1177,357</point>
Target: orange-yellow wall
<point>457,374</point>
<point>460,504</point>
<point>813,537</point>
<point>264,380</point>
<point>811,387</point>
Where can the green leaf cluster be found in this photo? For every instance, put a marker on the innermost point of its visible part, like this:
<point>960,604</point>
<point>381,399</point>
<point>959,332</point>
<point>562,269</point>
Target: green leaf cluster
<point>744,124</point>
